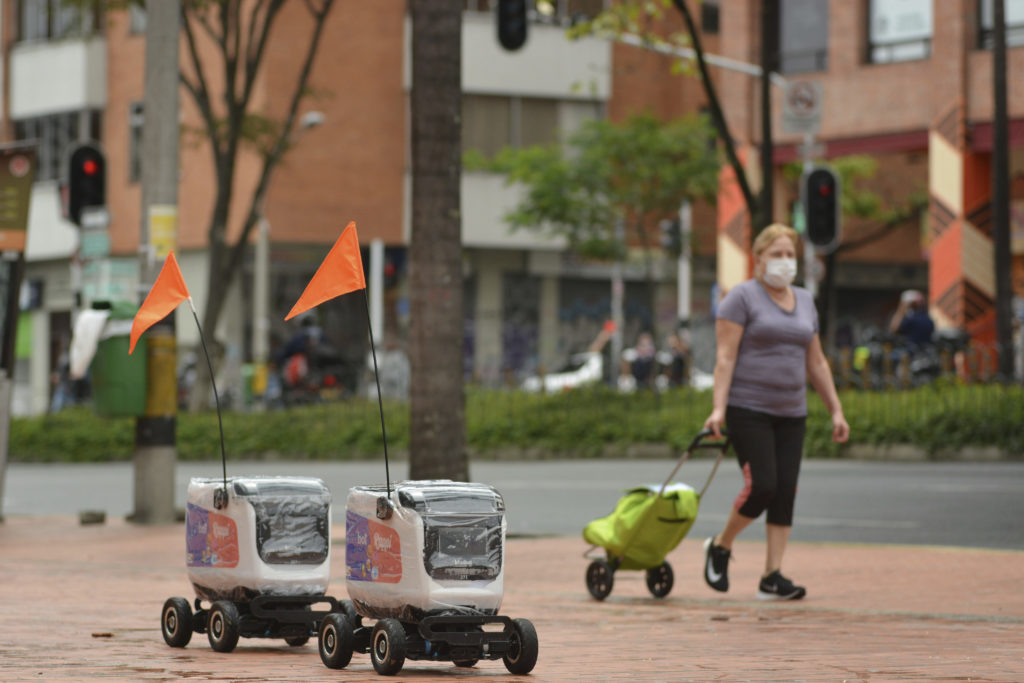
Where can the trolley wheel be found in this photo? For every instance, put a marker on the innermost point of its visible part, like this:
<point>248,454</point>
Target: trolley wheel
<point>334,641</point>
<point>297,641</point>
<point>660,580</point>
<point>387,647</point>
<point>222,631</point>
<point>523,647</point>
<point>176,622</point>
<point>465,663</point>
<point>600,579</point>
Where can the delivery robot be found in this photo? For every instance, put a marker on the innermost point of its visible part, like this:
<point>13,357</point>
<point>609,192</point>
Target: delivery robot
<point>258,553</point>
<point>425,560</point>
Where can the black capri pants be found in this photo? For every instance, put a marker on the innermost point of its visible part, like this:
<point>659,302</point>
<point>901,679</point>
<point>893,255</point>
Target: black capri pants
<point>768,449</point>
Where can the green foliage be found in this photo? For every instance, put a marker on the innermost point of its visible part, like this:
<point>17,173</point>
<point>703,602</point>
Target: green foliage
<point>581,423</point>
<point>637,171</point>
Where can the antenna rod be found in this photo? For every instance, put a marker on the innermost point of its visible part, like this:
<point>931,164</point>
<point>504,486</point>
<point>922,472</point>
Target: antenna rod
<point>380,400</point>
<point>216,399</point>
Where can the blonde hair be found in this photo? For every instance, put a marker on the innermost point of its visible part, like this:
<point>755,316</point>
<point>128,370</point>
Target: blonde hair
<point>772,233</point>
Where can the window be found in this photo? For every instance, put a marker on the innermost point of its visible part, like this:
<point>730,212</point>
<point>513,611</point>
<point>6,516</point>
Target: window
<point>899,30</point>
<point>1013,14</point>
<point>491,122</point>
<point>709,16</point>
<point>136,117</point>
<point>55,19</point>
<point>138,18</point>
<point>803,36</point>
<point>55,134</point>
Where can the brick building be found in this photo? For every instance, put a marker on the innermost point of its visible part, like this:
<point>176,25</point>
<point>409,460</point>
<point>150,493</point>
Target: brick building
<point>907,82</point>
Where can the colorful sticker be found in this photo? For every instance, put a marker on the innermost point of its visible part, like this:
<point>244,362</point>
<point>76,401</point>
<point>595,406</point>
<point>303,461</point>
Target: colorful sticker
<point>211,539</point>
<point>373,551</point>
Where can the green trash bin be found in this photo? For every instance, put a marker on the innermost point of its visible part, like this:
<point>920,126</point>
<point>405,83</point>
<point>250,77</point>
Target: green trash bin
<point>119,379</point>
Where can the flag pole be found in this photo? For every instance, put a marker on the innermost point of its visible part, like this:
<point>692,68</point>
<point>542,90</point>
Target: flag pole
<point>380,399</point>
<point>222,501</point>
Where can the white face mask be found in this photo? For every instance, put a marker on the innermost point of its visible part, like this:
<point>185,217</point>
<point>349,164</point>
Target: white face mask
<point>779,272</point>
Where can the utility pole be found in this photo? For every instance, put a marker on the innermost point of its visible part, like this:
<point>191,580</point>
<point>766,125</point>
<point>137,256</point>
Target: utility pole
<point>1001,194</point>
<point>155,430</point>
<point>769,58</point>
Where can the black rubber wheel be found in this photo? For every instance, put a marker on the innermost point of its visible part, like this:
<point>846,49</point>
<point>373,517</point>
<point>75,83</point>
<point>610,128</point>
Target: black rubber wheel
<point>387,647</point>
<point>176,622</point>
<point>523,647</point>
<point>297,641</point>
<point>660,580</point>
<point>222,630</point>
<point>600,579</point>
<point>465,663</point>
<point>334,640</point>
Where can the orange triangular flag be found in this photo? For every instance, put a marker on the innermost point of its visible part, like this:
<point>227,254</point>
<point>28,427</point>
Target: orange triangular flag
<point>340,273</point>
<point>168,291</point>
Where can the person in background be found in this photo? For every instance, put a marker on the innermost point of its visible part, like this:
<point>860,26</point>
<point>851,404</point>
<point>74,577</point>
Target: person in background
<point>639,364</point>
<point>768,348</point>
<point>912,322</point>
<point>675,359</point>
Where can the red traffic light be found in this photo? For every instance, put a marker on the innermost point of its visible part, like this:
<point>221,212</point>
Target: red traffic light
<point>824,190</point>
<point>90,167</point>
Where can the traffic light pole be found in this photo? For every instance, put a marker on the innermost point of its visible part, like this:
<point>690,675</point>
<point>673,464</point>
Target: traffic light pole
<point>810,255</point>
<point>155,431</point>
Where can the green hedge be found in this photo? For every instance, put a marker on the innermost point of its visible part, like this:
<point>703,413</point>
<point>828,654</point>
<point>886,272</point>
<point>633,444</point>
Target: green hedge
<point>571,424</point>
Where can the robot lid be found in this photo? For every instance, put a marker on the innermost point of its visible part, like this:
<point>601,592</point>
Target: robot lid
<point>443,496</point>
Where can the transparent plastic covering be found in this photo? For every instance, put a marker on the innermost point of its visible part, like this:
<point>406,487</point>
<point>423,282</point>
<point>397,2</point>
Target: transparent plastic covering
<point>441,552</point>
<point>272,538</point>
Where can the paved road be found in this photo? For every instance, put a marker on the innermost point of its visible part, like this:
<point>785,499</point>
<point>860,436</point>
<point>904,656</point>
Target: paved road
<point>954,504</point>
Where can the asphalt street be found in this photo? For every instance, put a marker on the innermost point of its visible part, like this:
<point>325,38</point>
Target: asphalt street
<point>947,504</point>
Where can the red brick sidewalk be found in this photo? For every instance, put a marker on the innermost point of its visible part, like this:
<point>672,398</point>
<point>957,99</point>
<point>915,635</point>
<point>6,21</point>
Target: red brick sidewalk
<point>83,603</point>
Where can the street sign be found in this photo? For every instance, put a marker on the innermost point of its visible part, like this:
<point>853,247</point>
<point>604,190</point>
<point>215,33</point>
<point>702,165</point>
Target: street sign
<point>801,107</point>
<point>16,177</point>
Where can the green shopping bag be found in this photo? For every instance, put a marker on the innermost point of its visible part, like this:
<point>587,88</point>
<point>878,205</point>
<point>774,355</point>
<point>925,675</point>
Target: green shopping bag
<point>645,527</point>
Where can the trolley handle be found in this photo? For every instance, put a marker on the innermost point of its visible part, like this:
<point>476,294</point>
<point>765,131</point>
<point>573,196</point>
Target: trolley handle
<point>699,440</point>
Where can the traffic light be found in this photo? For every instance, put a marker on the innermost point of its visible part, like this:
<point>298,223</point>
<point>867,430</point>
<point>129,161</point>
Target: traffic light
<point>512,23</point>
<point>87,181</point>
<point>671,236</point>
<point>819,195</point>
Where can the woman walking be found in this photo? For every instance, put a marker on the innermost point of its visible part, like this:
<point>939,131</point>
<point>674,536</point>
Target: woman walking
<point>768,349</point>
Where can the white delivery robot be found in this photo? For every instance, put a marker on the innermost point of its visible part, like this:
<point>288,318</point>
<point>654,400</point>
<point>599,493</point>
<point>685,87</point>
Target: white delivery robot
<point>258,550</point>
<point>425,559</point>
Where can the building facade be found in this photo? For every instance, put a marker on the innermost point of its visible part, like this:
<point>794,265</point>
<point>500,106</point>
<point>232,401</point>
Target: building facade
<point>906,82</point>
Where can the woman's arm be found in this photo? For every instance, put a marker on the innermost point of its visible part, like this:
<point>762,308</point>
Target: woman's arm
<point>820,375</point>
<point>728,335</point>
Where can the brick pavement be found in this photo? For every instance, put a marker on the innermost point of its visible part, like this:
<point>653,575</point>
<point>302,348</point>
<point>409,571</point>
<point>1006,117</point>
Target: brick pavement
<point>83,603</point>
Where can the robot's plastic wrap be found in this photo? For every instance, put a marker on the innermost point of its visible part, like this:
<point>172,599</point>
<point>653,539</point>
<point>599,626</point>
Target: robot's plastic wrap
<point>272,538</point>
<point>440,552</point>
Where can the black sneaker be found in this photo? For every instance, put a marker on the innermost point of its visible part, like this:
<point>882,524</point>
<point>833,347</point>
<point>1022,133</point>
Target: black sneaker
<point>775,586</point>
<point>716,565</point>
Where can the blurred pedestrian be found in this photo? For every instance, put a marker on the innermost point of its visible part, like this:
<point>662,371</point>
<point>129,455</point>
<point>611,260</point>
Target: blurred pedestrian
<point>639,364</point>
<point>912,321</point>
<point>768,348</point>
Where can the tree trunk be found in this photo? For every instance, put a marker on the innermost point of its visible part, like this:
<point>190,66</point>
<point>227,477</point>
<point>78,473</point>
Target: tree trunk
<point>1001,196</point>
<point>437,402</point>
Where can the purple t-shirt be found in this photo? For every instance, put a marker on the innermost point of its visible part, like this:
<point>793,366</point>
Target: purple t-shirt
<point>771,366</point>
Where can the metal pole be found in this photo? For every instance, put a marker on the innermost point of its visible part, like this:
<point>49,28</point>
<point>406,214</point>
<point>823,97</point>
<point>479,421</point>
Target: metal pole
<point>618,295</point>
<point>683,276</point>
<point>155,431</point>
<point>377,286</point>
<point>810,255</point>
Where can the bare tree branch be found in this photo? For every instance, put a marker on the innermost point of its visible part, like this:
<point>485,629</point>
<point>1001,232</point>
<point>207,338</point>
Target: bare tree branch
<point>200,91</point>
